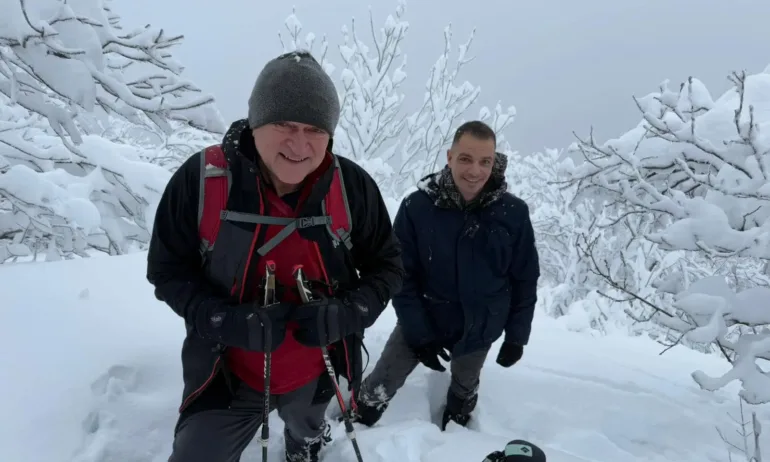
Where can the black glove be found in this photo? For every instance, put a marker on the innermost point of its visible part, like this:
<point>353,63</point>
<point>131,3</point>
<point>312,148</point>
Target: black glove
<point>244,326</point>
<point>429,354</point>
<point>509,354</point>
<point>325,320</point>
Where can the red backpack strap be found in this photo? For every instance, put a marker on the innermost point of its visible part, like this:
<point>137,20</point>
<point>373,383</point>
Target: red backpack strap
<point>215,191</point>
<point>335,205</point>
<point>215,181</point>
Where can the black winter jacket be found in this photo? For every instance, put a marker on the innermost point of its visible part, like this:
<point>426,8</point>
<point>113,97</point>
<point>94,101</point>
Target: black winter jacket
<point>471,274</point>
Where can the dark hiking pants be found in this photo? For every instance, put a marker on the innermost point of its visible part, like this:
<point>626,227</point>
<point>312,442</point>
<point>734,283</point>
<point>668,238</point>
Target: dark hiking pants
<point>398,361</point>
<point>221,434</point>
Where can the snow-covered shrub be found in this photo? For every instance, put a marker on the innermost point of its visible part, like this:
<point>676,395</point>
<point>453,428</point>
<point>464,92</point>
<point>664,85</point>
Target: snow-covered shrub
<point>534,179</point>
<point>166,149</point>
<point>696,173</point>
<point>744,439</point>
<point>398,148</point>
<point>69,75</point>
<point>568,281</point>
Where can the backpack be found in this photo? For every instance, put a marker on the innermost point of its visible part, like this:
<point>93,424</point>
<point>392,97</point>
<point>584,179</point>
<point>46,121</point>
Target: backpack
<point>215,183</point>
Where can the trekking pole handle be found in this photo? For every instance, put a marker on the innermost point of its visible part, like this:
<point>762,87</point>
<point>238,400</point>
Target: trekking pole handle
<point>307,295</point>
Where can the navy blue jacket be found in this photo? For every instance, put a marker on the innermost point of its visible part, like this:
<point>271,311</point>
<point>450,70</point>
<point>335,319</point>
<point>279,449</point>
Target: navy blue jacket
<point>470,275</point>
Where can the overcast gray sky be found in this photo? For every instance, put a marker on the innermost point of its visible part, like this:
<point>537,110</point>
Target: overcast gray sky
<point>564,64</point>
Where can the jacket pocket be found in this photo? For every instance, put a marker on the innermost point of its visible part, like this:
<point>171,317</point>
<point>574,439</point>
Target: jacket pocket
<point>497,310</point>
<point>446,317</point>
<point>497,249</point>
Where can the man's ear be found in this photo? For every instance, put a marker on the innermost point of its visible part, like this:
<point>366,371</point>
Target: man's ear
<point>448,156</point>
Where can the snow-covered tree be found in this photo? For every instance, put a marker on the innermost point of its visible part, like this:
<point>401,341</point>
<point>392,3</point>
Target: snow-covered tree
<point>370,83</point>
<point>696,172</point>
<point>294,42</point>
<point>369,88</point>
<point>534,178</point>
<point>429,130</point>
<point>166,149</point>
<point>397,147</point>
<point>68,74</point>
<point>571,284</point>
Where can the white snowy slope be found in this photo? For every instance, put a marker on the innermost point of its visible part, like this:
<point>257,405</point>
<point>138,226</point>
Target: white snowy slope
<point>91,372</point>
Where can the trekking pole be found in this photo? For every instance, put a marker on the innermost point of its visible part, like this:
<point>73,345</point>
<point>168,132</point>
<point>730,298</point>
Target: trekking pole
<point>268,300</point>
<point>307,296</point>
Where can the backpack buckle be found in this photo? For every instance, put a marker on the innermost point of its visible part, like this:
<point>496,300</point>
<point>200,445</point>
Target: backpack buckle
<point>305,222</point>
<point>308,222</point>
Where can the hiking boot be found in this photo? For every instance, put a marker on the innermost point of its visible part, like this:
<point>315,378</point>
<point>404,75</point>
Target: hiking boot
<point>310,450</point>
<point>458,410</point>
<point>367,413</point>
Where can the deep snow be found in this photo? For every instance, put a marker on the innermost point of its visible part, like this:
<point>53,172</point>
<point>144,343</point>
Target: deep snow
<point>92,373</point>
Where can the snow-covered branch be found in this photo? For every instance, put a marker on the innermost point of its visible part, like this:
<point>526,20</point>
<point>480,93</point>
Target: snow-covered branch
<point>714,308</point>
<point>293,42</point>
<point>430,129</point>
<point>701,163</point>
<point>398,148</point>
<point>70,79</point>
<point>134,73</point>
<point>370,81</point>
<point>696,171</point>
<point>568,282</point>
<point>744,439</point>
<point>531,178</point>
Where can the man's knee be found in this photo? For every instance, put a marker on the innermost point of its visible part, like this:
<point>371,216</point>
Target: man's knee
<point>218,435</point>
<point>395,364</point>
<point>201,450</point>
<point>197,440</point>
<point>397,340</point>
<point>303,411</point>
<point>465,385</point>
<point>305,423</point>
<point>466,374</point>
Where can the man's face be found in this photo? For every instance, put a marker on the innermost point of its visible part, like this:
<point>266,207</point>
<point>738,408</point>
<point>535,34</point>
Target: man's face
<point>290,150</point>
<point>471,160</point>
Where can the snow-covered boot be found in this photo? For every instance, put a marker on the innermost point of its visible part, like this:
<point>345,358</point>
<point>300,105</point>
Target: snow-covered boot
<point>309,450</point>
<point>458,410</point>
<point>367,412</point>
<point>368,406</point>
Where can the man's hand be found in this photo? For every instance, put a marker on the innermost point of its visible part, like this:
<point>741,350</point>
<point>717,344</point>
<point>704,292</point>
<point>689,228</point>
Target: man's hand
<point>244,326</point>
<point>429,354</point>
<point>510,354</point>
<point>324,321</point>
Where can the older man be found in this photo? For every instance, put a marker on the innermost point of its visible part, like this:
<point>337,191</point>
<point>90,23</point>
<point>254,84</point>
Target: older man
<point>234,224</point>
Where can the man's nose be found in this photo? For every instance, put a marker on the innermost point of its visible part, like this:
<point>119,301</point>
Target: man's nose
<point>300,142</point>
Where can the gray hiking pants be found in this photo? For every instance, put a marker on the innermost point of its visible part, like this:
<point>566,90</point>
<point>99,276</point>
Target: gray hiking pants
<point>398,361</point>
<point>221,435</point>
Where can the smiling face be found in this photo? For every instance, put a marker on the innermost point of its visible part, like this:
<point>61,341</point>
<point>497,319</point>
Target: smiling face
<point>291,151</point>
<point>471,160</point>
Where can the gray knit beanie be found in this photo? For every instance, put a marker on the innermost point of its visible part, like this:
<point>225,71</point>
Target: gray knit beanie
<point>294,88</point>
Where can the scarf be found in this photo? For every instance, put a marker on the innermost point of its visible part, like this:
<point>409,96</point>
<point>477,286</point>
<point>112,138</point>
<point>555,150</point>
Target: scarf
<point>441,187</point>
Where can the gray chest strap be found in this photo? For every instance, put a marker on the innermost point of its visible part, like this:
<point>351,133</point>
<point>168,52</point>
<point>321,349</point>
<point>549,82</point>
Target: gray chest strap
<point>289,225</point>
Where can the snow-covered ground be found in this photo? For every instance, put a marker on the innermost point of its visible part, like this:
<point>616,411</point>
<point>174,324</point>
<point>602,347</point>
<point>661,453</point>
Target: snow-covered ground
<point>91,372</point>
